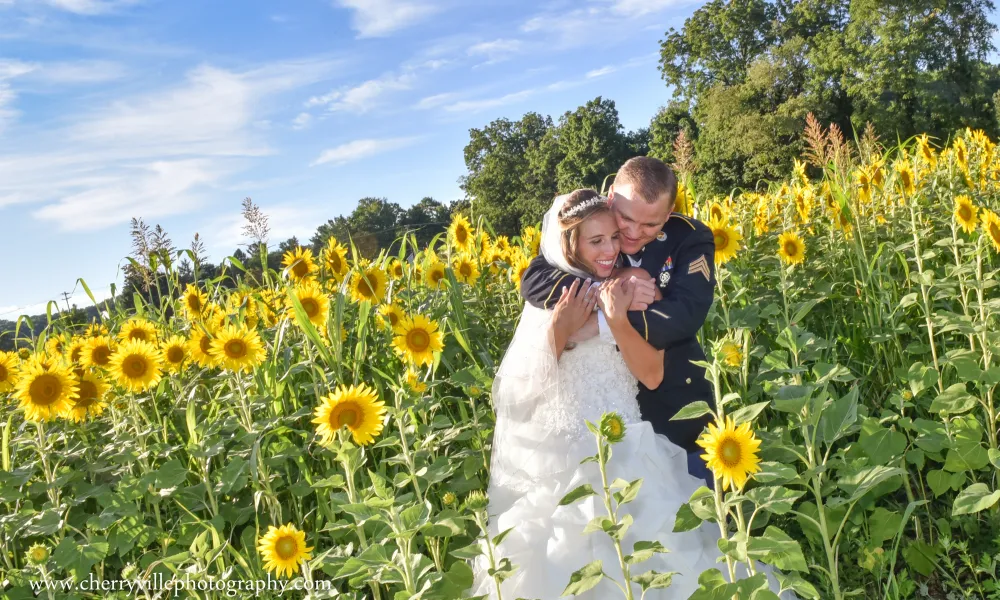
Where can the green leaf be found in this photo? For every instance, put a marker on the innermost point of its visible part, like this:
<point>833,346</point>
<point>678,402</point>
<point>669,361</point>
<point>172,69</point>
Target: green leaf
<point>932,435</point>
<point>630,493</point>
<point>777,499</point>
<point>748,413</point>
<point>920,377</point>
<point>939,481</point>
<point>234,475</point>
<point>702,503</point>
<point>965,456</point>
<point>860,483</point>
<point>584,579</point>
<point>692,411</point>
<point>953,401</point>
<point>643,551</point>
<point>775,472</point>
<point>921,557</point>
<point>579,493</point>
<point>652,580</point>
<point>793,581</point>
<point>777,548</point>
<point>975,498</point>
<point>838,418</point>
<point>791,398</point>
<point>77,558</point>
<point>994,456</point>
<point>686,520</point>
<point>882,445</point>
<point>883,524</point>
<point>170,474</point>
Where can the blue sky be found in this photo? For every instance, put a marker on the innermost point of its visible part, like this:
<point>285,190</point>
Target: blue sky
<point>175,110</point>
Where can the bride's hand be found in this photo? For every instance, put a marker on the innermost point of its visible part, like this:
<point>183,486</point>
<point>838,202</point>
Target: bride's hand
<point>575,306</point>
<point>616,296</point>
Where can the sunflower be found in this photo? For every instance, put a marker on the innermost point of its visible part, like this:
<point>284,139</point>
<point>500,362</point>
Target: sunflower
<point>56,344</point>
<point>96,329</point>
<point>727,240</point>
<point>392,314</point>
<point>612,427</point>
<point>991,225</point>
<point>465,269</point>
<point>417,339</point>
<point>90,401</point>
<point>314,301</point>
<point>731,453</point>
<point>460,233</point>
<point>904,171</point>
<point>791,248</point>
<point>98,351</point>
<point>334,258</point>
<point>238,349</point>
<point>732,355</point>
<point>531,239</point>
<point>799,171</point>
<point>434,275</point>
<point>396,269</point>
<point>368,283</point>
<point>717,212</point>
<point>77,345</point>
<point>299,263</point>
<point>176,354</point>
<point>45,391</point>
<point>193,300</point>
<point>200,347</point>
<point>137,365</point>
<point>8,371</point>
<point>965,213</point>
<point>138,329</point>
<point>357,407</point>
<point>961,154</point>
<point>926,152</point>
<point>283,549</point>
<point>517,271</point>
<point>412,379</point>
<point>38,554</point>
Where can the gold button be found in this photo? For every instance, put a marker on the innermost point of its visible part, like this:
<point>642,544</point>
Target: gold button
<point>688,380</point>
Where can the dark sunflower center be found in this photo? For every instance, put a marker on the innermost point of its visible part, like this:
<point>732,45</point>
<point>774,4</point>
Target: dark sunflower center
<point>311,307</point>
<point>994,231</point>
<point>175,354</point>
<point>437,275</point>
<point>138,334</point>
<point>461,234</point>
<point>235,349</point>
<point>418,340</point>
<point>205,343</point>
<point>285,547</point>
<point>791,248</point>
<point>4,373</point>
<point>721,238</point>
<point>965,212</point>
<point>45,389</point>
<point>393,318</point>
<point>335,263</point>
<point>100,355</point>
<point>347,415</point>
<point>88,394</point>
<point>465,269</point>
<point>74,355</point>
<point>301,269</point>
<point>194,303</point>
<point>135,365</point>
<point>730,452</point>
<point>365,288</point>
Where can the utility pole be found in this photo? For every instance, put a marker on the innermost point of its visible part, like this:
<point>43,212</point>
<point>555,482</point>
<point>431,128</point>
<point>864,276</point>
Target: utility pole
<point>65,296</point>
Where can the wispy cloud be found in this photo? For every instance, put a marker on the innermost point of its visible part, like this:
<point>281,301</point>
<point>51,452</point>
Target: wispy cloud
<point>79,72</point>
<point>361,149</point>
<point>90,7</point>
<point>151,154</point>
<point>604,23</point>
<point>301,121</point>
<point>376,18</point>
<point>497,50</point>
<point>363,97</point>
<point>639,8</point>
<point>437,100</point>
<point>470,106</point>
<point>600,72</point>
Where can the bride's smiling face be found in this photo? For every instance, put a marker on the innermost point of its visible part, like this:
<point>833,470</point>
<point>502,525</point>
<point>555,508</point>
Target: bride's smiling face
<point>598,244</point>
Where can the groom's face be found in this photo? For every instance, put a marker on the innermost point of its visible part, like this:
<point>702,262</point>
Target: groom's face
<point>638,221</point>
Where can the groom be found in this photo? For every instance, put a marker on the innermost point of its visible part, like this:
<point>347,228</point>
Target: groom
<point>676,255</point>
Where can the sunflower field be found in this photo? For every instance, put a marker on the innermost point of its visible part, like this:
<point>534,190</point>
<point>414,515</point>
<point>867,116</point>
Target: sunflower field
<point>329,425</point>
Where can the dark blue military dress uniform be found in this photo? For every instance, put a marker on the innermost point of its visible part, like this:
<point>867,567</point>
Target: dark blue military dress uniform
<point>682,260</point>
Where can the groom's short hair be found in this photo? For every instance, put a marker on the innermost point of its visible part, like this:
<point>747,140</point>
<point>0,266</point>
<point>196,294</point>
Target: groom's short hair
<point>650,177</point>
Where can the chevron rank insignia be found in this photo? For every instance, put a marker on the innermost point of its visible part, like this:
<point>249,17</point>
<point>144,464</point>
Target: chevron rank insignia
<point>700,265</point>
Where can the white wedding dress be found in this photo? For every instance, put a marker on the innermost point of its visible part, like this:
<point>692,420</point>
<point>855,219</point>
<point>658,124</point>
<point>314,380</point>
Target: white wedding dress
<point>548,544</point>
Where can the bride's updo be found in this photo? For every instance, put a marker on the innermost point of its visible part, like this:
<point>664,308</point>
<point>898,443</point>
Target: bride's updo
<point>579,206</point>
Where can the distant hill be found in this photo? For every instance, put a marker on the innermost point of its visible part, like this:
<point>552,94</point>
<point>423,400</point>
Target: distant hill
<point>75,316</point>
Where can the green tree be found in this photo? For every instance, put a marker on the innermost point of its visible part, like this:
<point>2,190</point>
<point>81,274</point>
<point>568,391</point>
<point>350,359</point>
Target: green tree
<point>666,124</point>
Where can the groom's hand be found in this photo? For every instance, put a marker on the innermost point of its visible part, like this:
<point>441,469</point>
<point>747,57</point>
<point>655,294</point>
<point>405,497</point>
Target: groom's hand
<point>645,290</point>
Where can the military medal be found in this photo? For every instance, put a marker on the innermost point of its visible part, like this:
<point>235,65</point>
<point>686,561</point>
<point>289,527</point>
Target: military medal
<point>665,271</point>
<point>661,236</point>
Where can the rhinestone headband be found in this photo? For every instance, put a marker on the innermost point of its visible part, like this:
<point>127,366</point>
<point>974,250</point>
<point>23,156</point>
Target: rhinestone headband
<point>579,208</point>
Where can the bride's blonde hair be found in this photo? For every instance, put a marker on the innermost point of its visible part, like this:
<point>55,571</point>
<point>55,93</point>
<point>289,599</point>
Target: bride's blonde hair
<point>579,206</point>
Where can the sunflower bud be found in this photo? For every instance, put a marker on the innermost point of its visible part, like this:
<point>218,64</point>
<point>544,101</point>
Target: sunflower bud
<point>476,501</point>
<point>612,427</point>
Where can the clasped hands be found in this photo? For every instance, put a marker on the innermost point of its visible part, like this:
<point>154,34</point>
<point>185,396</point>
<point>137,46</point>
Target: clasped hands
<point>631,289</point>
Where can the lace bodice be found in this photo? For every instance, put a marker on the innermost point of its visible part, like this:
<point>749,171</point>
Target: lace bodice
<point>593,380</point>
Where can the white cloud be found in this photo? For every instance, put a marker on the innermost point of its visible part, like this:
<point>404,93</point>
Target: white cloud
<point>7,112</point>
<point>639,8</point>
<point>601,72</point>
<point>470,106</point>
<point>360,149</point>
<point>151,154</point>
<point>90,7</point>
<point>301,121</point>
<point>376,18</point>
<point>497,50</point>
<point>85,71</point>
<point>436,100</point>
<point>605,23</point>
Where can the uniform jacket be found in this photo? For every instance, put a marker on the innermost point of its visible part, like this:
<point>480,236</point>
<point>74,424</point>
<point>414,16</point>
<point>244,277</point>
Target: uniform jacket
<point>682,260</point>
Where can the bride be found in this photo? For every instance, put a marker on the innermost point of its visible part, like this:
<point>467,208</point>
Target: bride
<point>545,390</point>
